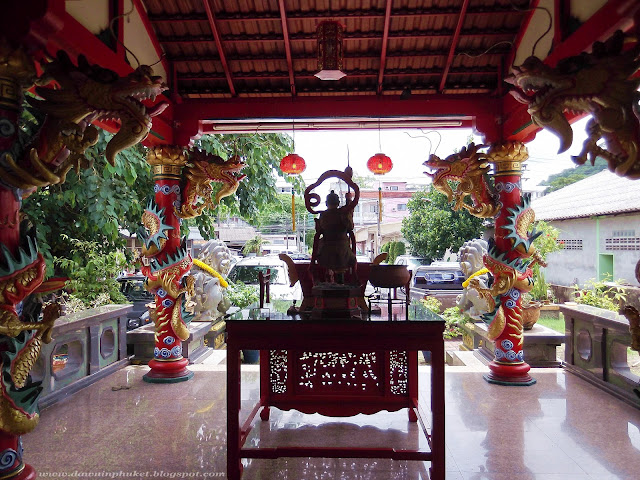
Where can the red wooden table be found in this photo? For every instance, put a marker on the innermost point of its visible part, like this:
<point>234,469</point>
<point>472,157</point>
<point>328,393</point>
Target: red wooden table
<point>336,368</point>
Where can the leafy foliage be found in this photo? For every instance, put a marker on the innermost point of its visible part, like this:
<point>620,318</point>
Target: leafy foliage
<point>91,206</point>
<point>92,274</point>
<point>254,245</point>
<point>432,225</point>
<point>602,294</point>
<point>94,204</point>
<point>394,249</point>
<point>241,295</point>
<point>453,317</point>
<point>573,175</point>
<point>546,243</point>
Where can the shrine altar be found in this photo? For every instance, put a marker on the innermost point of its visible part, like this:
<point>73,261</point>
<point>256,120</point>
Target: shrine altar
<point>336,368</point>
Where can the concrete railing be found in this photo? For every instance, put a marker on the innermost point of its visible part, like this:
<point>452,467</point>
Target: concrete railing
<point>596,346</point>
<point>86,346</point>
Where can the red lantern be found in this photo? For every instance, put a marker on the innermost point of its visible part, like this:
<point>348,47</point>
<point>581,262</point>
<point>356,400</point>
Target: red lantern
<point>380,164</point>
<point>330,51</point>
<point>293,164</point>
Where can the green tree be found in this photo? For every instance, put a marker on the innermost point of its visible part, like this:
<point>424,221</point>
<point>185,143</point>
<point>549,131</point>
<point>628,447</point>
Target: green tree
<point>432,225</point>
<point>94,204</point>
<point>254,245</point>
<point>573,175</point>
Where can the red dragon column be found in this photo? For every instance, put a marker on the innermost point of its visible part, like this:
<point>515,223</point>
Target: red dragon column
<point>509,260</point>
<point>510,255</point>
<point>182,190</point>
<point>36,155</point>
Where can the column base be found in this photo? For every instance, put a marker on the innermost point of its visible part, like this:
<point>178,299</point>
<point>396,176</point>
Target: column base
<point>168,371</point>
<point>26,473</point>
<point>515,375</point>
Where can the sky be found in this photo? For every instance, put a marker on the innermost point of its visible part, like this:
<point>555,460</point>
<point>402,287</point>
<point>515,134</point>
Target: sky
<point>409,149</point>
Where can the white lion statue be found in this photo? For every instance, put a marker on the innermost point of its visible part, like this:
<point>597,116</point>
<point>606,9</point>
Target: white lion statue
<point>210,302</point>
<point>471,263</point>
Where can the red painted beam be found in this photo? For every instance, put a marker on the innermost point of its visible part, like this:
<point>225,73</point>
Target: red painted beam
<point>192,116</point>
<point>287,45</point>
<point>454,44</point>
<point>614,15</point>
<point>218,39</point>
<point>385,42</point>
<point>151,33</point>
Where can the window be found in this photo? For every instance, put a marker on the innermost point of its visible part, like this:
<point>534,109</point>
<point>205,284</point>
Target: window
<point>402,207</point>
<point>572,244</point>
<point>373,208</point>
<point>393,188</point>
<point>622,243</point>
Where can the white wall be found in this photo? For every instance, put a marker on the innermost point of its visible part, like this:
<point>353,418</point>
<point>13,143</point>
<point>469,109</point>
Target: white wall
<point>567,267</point>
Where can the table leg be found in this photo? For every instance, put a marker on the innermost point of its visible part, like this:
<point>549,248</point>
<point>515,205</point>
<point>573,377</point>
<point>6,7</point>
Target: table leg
<point>437,409</point>
<point>234,464</point>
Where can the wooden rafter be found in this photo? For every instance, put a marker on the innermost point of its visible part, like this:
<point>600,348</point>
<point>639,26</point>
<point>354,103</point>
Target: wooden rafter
<point>348,36</point>
<point>287,45</point>
<point>362,55</point>
<point>218,39</point>
<point>338,14</point>
<point>385,42</point>
<point>454,44</point>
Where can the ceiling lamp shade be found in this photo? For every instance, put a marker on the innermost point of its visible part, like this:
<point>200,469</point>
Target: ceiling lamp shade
<point>329,35</point>
<point>293,164</point>
<point>380,164</point>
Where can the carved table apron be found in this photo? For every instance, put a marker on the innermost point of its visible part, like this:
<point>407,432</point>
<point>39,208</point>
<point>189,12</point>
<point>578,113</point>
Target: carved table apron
<point>336,368</point>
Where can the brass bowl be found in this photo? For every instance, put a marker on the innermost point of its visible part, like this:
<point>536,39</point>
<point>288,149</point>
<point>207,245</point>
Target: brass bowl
<point>389,276</point>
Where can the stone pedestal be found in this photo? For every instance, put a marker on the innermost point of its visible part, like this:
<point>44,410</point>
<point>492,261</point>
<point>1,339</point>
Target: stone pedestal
<point>540,344</point>
<point>194,349</point>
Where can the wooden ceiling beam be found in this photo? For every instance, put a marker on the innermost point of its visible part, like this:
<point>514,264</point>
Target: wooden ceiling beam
<point>454,44</point>
<point>400,72</point>
<point>217,38</point>
<point>385,42</point>
<point>287,45</point>
<point>311,37</point>
<point>347,56</point>
<point>337,14</point>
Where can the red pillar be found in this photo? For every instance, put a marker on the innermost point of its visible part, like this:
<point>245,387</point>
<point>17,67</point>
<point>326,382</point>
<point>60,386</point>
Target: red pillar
<point>508,366</point>
<point>165,264</point>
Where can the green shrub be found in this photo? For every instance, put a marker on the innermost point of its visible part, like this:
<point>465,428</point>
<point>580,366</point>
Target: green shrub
<point>241,295</point>
<point>92,275</point>
<point>432,303</point>
<point>602,294</point>
<point>453,320</point>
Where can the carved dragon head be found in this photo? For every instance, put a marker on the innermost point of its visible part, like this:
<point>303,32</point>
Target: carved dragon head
<point>216,169</point>
<point>89,92</point>
<point>588,83</point>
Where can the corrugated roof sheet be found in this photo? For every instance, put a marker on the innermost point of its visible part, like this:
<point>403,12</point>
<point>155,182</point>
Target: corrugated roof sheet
<point>602,194</point>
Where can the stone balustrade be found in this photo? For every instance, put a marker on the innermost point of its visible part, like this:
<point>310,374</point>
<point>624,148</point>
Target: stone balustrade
<point>596,349</point>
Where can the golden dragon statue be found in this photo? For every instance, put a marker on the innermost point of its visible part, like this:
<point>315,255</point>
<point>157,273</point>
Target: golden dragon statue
<point>202,170</point>
<point>601,83</point>
<point>469,168</point>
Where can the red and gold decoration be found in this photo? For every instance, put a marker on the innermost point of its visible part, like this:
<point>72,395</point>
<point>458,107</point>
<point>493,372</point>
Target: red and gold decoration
<point>330,35</point>
<point>379,164</point>
<point>84,93</point>
<point>182,190</point>
<point>511,254</point>
<point>293,164</point>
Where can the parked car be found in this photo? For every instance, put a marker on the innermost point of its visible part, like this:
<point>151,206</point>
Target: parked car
<point>247,269</point>
<point>132,287</point>
<point>439,276</point>
<point>411,262</point>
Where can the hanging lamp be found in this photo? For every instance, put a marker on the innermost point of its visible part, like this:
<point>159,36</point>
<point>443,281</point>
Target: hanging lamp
<point>329,35</point>
<point>379,164</point>
<point>293,164</point>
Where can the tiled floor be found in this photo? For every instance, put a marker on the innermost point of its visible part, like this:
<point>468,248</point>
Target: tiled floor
<point>562,428</point>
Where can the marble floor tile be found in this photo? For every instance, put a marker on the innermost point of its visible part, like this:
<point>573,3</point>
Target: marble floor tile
<point>562,428</point>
